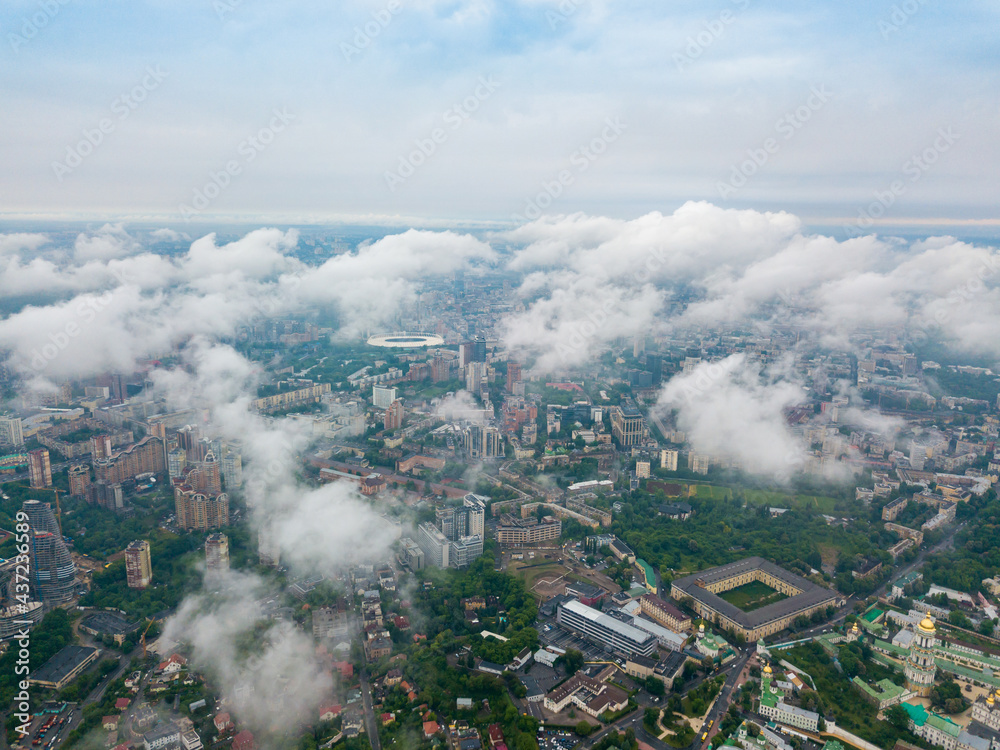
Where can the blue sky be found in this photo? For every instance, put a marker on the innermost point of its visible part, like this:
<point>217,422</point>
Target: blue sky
<point>697,90</point>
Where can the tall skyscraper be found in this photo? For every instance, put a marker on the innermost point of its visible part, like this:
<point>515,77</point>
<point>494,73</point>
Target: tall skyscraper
<point>189,440</point>
<point>53,573</point>
<point>39,468</point>
<point>176,462</point>
<point>475,374</point>
<point>217,552</point>
<point>138,565</point>
<point>479,349</point>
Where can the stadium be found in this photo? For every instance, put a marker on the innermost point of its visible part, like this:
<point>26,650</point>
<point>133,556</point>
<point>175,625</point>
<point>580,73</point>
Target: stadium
<point>405,340</point>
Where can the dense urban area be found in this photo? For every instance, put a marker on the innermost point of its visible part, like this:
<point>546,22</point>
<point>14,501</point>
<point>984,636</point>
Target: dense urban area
<point>467,552</point>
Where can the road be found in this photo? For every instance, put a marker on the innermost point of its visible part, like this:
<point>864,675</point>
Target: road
<point>366,698</point>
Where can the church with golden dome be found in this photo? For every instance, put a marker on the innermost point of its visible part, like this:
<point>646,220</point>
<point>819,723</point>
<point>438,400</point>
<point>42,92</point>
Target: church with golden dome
<point>919,670</point>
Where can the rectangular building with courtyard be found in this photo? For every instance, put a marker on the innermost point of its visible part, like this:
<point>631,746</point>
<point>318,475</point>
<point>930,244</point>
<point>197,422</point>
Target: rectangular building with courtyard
<point>802,597</point>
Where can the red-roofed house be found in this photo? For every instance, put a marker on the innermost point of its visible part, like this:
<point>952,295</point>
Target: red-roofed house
<point>495,734</point>
<point>402,622</point>
<point>171,665</point>
<point>330,711</point>
<point>121,704</point>
<point>223,723</point>
<point>244,741</point>
<point>387,718</point>
<point>345,667</point>
<point>110,723</point>
<point>431,728</point>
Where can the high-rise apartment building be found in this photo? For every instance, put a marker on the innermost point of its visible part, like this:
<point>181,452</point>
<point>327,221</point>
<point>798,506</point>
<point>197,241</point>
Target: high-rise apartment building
<point>513,375</point>
<point>232,470</point>
<point>79,480</point>
<point>11,432</point>
<point>392,419</point>
<point>138,565</point>
<point>197,510</point>
<point>383,396</point>
<point>475,374</point>
<point>668,460</point>
<point>100,446</point>
<point>217,552</point>
<point>143,457</point>
<point>176,462</point>
<point>39,468</point>
<point>52,573</point>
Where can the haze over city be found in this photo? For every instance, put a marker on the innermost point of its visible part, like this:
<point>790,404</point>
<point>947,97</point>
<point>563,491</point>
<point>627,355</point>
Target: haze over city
<point>472,374</point>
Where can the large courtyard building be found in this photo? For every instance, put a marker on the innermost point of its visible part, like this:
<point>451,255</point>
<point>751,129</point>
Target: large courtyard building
<point>604,630</point>
<point>703,590</point>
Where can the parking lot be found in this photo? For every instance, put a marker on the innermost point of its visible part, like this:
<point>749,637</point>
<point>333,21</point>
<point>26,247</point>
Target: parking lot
<point>552,739</point>
<point>565,640</point>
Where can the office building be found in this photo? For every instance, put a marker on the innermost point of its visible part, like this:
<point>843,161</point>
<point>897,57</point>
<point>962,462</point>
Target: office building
<point>332,622</point>
<point>479,349</point>
<point>383,396</point>
<point>410,554</point>
<point>79,481</point>
<point>39,468</point>
<point>217,552</point>
<point>664,612</point>
<point>53,572</point>
<point>464,550</point>
<point>138,565</point>
<point>435,545</point>
<point>11,432</point>
<point>628,426</point>
<point>516,532</point>
<point>603,630</point>
<point>483,441</point>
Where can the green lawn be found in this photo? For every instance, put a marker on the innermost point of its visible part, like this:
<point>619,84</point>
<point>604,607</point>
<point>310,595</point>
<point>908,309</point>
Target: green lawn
<point>751,596</point>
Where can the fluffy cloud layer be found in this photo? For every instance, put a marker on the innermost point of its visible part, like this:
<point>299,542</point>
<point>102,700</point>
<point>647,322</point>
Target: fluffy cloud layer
<point>118,303</point>
<point>705,266</point>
